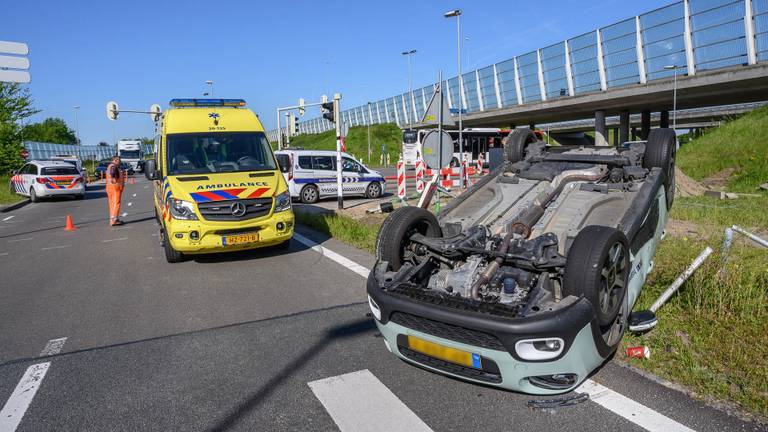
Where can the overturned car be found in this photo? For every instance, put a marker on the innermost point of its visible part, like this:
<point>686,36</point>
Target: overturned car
<point>527,279</point>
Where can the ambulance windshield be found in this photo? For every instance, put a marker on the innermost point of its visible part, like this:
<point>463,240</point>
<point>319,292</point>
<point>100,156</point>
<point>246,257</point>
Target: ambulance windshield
<point>217,152</point>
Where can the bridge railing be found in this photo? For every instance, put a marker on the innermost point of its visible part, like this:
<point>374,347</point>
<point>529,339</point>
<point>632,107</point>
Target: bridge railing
<point>692,35</point>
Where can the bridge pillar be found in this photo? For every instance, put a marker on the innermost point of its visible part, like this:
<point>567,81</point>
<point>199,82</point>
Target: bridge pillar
<point>623,127</point>
<point>664,119</point>
<point>645,124</point>
<point>601,138</point>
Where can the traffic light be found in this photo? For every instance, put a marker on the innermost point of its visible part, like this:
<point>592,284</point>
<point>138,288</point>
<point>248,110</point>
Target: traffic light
<point>293,125</point>
<point>328,114</point>
<point>301,107</point>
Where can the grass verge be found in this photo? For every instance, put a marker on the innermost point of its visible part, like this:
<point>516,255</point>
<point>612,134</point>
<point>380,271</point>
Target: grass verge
<point>6,196</point>
<point>340,227</point>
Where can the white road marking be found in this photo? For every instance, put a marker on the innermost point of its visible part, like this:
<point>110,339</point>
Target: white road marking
<point>116,239</point>
<point>8,218</point>
<point>130,204</point>
<point>124,215</point>
<point>148,186</point>
<point>53,347</point>
<point>55,247</point>
<point>355,267</point>
<point>134,196</point>
<point>4,254</point>
<point>621,405</point>
<point>358,401</point>
<point>21,239</point>
<point>17,404</point>
<point>633,411</point>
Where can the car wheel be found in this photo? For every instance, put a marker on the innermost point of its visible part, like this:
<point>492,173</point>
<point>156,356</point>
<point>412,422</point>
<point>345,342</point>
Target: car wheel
<point>393,242</point>
<point>171,254</point>
<point>660,152</point>
<point>516,142</point>
<point>598,269</point>
<point>309,194</point>
<point>373,190</point>
<point>33,195</point>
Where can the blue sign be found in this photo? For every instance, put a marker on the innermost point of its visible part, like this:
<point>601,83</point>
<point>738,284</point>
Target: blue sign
<point>456,110</point>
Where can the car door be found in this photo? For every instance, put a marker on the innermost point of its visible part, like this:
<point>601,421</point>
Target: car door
<point>352,183</point>
<point>324,168</point>
<point>29,177</point>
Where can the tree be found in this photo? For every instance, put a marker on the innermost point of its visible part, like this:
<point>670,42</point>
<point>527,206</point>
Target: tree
<point>50,130</point>
<point>15,106</point>
<point>147,141</point>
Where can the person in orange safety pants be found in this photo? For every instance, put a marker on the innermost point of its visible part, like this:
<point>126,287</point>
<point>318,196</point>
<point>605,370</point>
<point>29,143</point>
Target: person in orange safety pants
<point>114,186</point>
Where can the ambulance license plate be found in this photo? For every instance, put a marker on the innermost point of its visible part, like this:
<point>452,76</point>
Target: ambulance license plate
<point>238,239</point>
<point>440,352</point>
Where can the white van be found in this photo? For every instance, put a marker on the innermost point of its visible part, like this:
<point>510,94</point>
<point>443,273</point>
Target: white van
<point>311,175</point>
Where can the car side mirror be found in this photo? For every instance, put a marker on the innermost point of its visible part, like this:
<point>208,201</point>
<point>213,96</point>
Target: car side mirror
<point>150,170</point>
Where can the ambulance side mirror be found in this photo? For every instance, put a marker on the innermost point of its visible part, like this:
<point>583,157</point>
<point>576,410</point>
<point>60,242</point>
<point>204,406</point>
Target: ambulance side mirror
<point>150,170</point>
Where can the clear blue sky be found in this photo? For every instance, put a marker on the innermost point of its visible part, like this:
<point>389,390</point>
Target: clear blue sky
<point>270,53</point>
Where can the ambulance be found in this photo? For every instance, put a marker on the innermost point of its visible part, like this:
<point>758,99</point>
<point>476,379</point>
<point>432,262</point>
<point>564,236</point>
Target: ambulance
<point>217,185</point>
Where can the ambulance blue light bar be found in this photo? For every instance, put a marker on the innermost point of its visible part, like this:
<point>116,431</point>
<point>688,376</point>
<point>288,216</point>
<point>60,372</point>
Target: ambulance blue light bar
<point>207,103</point>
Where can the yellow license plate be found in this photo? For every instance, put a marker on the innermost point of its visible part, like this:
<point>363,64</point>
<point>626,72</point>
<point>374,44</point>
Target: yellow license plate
<point>239,239</point>
<point>451,355</point>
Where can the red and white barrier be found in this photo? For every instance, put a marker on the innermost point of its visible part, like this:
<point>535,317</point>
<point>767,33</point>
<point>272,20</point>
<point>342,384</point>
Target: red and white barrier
<point>419,175</point>
<point>400,179</point>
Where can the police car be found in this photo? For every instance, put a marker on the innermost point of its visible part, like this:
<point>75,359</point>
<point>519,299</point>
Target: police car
<point>311,175</point>
<point>46,178</point>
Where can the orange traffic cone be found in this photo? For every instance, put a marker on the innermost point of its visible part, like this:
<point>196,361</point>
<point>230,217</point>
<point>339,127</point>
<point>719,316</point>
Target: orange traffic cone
<point>70,226</point>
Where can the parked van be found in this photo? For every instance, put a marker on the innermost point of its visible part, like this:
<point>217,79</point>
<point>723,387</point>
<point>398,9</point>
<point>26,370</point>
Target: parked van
<point>311,175</point>
<point>217,184</point>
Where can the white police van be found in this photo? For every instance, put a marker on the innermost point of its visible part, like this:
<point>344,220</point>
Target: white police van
<point>311,175</point>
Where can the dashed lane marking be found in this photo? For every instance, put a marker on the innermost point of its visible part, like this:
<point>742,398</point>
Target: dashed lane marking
<point>355,267</point>
<point>55,247</point>
<point>21,239</point>
<point>619,404</point>
<point>8,218</point>
<point>115,239</point>
<point>53,347</point>
<point>130,204</point>
<point>358,401</point>
<point>4,254</point>
<point>16,406</point>
<point>133,196</point>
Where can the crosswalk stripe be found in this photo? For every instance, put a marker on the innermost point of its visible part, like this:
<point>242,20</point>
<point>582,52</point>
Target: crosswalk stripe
<point>359,402</point>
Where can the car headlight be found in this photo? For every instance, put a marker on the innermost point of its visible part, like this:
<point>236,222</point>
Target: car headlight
<point>539,349</point>
<point>180,209</point>
<point>283,202</point>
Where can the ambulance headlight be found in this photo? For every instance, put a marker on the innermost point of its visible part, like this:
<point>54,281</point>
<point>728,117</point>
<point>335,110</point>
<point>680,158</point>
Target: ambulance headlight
<point>180,209</point>
<point>283,202</point>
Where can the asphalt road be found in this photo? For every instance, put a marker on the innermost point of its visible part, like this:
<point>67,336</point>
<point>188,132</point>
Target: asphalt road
<point>246,341</point>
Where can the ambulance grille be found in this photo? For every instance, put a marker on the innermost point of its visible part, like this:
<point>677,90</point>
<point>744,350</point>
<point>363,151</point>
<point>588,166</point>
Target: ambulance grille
<point>222,210</point>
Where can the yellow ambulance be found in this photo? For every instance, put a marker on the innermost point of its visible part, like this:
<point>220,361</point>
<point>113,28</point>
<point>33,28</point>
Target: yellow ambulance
<point>217,185</point>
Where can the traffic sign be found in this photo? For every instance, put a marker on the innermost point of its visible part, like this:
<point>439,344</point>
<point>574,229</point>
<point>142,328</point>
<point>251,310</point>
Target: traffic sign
<point>24,153</point>
<point>14,62</point>
<point>112,110</point>
<point>12,67</point>
<point>456,110</point>
<point>18,76</point>
<point>17,48</point>
<point>435,156</point>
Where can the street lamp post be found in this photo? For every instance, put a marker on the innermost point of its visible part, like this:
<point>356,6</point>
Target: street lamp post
<point>77,126</point>
<point>457,13</point>
<point>410,84</point>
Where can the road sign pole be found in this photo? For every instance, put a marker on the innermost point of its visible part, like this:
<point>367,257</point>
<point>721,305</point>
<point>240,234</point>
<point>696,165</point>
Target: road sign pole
<point>279,132</point>
<point>337,122</point>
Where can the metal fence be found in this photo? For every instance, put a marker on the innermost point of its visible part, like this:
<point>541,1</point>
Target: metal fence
<point>694,35</point>
<point>40,150</point>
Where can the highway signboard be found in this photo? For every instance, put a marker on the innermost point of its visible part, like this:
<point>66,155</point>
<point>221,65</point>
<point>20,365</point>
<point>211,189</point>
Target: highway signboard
<point>13,65</point>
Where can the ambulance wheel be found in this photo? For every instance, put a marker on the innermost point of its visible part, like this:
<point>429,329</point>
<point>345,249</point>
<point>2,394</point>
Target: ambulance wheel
<point>33,195</point>
<point>373,190</point>
<point>309,194</point>
<point>171,254</point>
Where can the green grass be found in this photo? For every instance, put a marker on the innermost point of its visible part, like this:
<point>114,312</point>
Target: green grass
<point>6,196</point>
<point>715,214</point>
<point>741,144</point>
<point>357,142</point>
<point>340,227</point>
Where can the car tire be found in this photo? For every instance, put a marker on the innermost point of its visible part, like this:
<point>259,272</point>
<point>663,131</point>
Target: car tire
<point>660,152</point>
<point>33,195</point>
<point>373,190</point>
<point>171,255</point>
<point>516,142</point>
<point>393,238</point>
<point>309,194</point>
<point>598,269</point>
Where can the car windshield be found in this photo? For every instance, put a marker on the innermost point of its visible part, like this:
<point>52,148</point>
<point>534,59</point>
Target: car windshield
<point>60,170</point>
<point>197,153</point>
<point>130,154</point>
<point>409,136</point>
